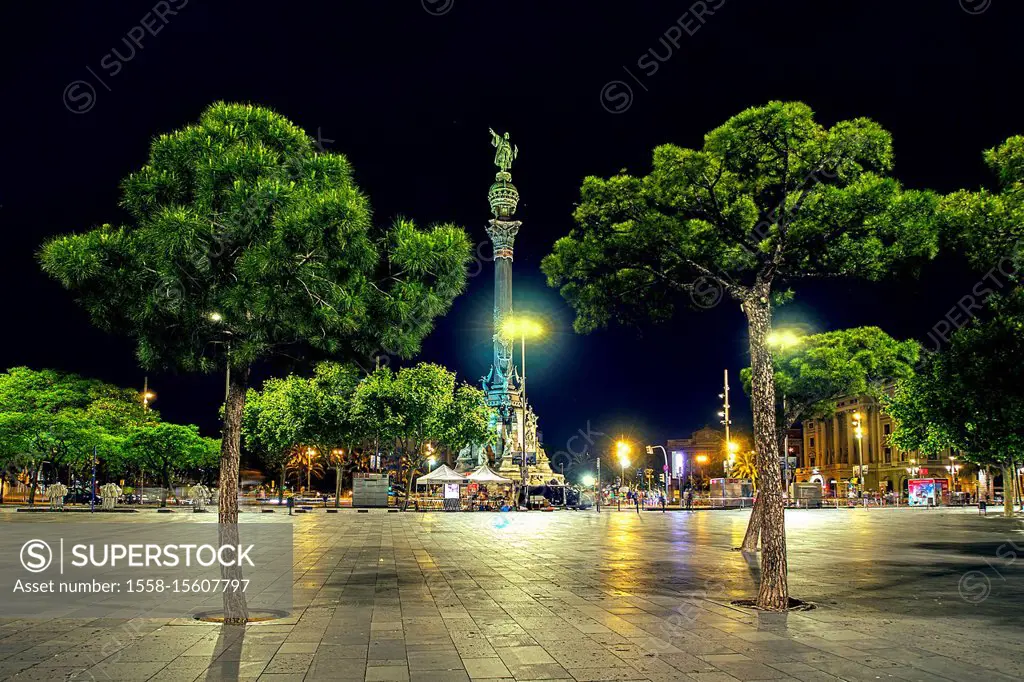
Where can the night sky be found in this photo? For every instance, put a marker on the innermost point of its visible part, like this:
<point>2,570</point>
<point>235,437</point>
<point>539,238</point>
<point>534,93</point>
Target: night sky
<point>407,89</point>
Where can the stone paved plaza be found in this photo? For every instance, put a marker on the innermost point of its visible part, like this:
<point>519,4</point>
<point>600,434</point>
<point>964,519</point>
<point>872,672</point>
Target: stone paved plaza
<point>582,596</point>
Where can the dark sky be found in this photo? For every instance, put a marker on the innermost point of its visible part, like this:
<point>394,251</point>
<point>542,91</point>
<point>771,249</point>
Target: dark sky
<point>408,88</point>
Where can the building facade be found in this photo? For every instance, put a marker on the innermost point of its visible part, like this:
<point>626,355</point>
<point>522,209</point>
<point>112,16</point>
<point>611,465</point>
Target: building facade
<point>850,449</point>
<point>701,456</point>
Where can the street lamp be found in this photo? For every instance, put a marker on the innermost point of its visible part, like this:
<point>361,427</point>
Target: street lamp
<point>668,478</point>
<point>522,327</point>
<point>622,449</point>
<point>702,460</point>
<point>858,434</point>
<point>784,339</point>
<point>731,448</point>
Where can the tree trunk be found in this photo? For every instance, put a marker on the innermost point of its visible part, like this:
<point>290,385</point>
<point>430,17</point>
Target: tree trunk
<point>753,534</point>
<point>773,594</point>
<point>1007,490</point>
<point>230,447</point>
<point>33,475</point>
<point>167,486</point>
<point>280,488</point>
<point>337,485</point>
<point>235,610</point>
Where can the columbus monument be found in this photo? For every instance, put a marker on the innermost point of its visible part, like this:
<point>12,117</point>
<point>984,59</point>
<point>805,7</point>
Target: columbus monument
<point>514,421</point>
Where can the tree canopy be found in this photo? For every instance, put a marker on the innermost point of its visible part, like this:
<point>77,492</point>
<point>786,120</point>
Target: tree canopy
<point>772,197</point>
<point>987,225</point>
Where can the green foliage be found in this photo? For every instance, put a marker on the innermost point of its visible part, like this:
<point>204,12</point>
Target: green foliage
<point>241,216</point>
<point>969,396</point>
<point>276,418</point>
<point>814,373</point>
<point>466,420</point>
<point>57,417</point>
<point>771,197</point>
<point>421,404</point>
<point>989,226</point>
<point>60,417</point>
<point>170,449</point>
<point>297,411</point>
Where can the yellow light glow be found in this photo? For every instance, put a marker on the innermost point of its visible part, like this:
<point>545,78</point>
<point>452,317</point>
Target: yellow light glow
<point>733,447</point>
<point>589,480</point>
<point>517,327</point>
<point>216,317</point>
<point>622,449</point>
<point>702,459</point>
<point>784,338</point>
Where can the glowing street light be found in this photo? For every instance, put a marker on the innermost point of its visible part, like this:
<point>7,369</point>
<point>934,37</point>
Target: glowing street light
<point>589,480</point>
<point>784,338</point>
<point>858,433</point>
<point>622,449</point>
<point>216,317</point>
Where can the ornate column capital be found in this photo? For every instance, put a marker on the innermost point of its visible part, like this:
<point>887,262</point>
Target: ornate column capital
<point>503,236</point>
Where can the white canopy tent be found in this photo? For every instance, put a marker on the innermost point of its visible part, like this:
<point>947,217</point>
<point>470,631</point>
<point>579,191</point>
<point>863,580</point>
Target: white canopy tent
<point>442,474</point>
<point>484,474</point>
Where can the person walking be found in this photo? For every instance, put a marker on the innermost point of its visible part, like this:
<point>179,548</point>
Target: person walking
<point>661,498</point>
<point>639,500</point>
<point>689,499</point>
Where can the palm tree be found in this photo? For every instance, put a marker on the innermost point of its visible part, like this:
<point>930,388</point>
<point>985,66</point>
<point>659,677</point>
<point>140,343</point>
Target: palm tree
<point>308,460</point>
<point>746,466</point>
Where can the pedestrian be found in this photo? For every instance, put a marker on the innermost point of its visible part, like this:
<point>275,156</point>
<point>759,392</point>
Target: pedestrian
<point>662,500</point>
<point>291,504</point>
<point>638,499</point>
<point>689,499</point>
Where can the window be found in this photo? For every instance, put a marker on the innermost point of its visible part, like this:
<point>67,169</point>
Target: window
<point>887,429</point>
<point>888,455</point>
<point>812,441</point>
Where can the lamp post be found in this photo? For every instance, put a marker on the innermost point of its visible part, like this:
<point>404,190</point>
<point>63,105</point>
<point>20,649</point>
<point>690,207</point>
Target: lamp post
<point>668,478</point>
<point>702,460</point>
<point>522,327</point>
<point>858,434</point>
<point>724,414</point>
<point>622,449</point>
<point>92,490</point>
<point>148,396</point>
<point>784,339</point>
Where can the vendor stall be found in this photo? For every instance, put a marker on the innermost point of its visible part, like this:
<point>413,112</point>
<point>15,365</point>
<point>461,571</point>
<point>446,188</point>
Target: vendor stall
<point>487,490</point>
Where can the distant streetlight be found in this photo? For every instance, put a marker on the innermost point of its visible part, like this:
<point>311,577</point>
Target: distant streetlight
<point>430,463</point>
<point>148,396</point>
<point>216,317</point>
